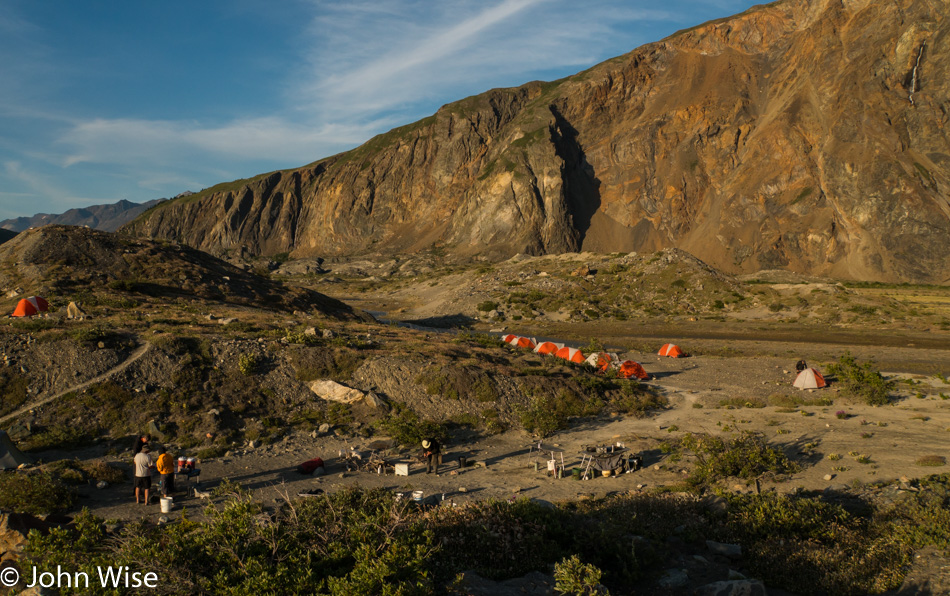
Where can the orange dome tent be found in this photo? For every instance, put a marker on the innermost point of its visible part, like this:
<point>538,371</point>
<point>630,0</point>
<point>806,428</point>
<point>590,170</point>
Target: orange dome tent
<point>810,379</point>
<point>602,360</point>
<point>28,307</point>
<point>671,350</point>
<point>629,368</point>
<point>521,342</point>
<point>507,339</point>
<point>571,354</point>
<point>547,347</point>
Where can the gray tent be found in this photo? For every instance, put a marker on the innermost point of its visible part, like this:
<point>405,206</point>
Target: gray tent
<point>10,456</point>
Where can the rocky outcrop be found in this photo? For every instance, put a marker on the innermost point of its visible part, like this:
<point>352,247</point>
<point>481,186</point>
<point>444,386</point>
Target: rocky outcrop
<point>14,532</point>
<point>801,135</point>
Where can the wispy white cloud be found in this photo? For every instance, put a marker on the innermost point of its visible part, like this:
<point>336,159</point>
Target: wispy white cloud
<point>170,142</point>
<point>363,67</point>
<point>426,51</point>
<point>35,185</point>
<point>367,67</point>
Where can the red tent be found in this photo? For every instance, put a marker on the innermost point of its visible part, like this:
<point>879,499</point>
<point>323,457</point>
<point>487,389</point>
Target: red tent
<point>671,350</point>
<point>28,307</point>
<point>629,368</point>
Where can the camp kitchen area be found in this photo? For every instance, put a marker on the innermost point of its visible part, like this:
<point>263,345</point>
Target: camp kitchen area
<point>590,462</point>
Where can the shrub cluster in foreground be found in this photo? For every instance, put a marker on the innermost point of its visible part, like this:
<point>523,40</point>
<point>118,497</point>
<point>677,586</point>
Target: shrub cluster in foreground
<point>366,542</point>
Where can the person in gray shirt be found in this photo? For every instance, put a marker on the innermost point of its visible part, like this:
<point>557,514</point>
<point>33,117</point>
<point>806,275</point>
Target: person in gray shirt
<point>143,473</point>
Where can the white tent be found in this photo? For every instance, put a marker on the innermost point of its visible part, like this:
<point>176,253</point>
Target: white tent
<point>810,379</point>
<point>602,360</point>
<point>10,456</point>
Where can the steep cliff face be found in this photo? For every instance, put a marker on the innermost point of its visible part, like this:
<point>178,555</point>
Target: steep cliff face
<point>807,135</point>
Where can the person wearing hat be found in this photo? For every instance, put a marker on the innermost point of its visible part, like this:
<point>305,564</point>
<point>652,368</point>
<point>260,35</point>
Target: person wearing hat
<point>143,473</point>
<point>432,454</point>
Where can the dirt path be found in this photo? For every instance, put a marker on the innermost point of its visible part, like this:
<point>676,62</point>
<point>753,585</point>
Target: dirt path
<point>138,353</point>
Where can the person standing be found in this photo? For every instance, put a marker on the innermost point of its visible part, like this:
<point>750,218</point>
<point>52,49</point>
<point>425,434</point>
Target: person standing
<point>166,467</point>
<point>143,473</point>
<point>141,442</point>
<point>432,454</point>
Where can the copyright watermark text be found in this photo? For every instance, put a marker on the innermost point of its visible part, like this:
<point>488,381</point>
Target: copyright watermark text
<point>106,577</point>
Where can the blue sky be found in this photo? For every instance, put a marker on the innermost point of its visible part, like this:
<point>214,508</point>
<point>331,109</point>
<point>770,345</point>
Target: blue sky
<point>102,101</point>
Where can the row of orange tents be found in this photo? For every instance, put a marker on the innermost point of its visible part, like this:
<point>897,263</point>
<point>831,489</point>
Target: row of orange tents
<point>602,361</point>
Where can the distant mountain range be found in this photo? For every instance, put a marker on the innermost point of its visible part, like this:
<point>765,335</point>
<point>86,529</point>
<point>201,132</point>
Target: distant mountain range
<point>806,135</point>
<point>108,218</point>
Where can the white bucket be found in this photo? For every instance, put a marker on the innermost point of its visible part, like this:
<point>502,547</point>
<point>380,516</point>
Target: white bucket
<point>552,465</point>
<point>417,495</point>
<point>166,504</point>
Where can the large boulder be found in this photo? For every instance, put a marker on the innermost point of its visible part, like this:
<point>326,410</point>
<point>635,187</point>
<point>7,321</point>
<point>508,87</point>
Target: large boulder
<point>333,391</point>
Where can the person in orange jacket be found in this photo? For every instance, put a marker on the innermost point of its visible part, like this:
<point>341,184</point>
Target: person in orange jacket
<point>166,467</point>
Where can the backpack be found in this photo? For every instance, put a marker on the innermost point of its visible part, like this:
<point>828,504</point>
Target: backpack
<point>309,466</point>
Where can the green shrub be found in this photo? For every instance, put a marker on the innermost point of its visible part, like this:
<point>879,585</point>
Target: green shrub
<point>363,542</point>
<point>297,337</point>
<point>407,429</point>
<point>542,416</point>
<point>74,471</point>
<point>350,542</point>
<point>59,436</point>
<point>37,493</point>
<point>746,456</point>
<point>98,469</point>
<point>91,334</point>
<point>249,364</point>
<point>487,306</point>
<point>436,382</point>
<point>125,285</point>
<point>862,380</point>
<point>742,402</point>
<point>636,400</point>
<point>484,340</point>
<point>577,578</point>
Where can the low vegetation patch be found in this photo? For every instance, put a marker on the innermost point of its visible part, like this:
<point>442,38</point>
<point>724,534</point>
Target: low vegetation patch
<point>862,381</point>
<point>407,429</point>
<point>365,542</point>
<point>745,456</point>
<point>37,493</point>
<point>931,460</point>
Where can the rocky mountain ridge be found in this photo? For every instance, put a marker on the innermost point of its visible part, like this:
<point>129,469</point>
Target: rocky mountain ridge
<point>108,217</point>
<point>807,135</point>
